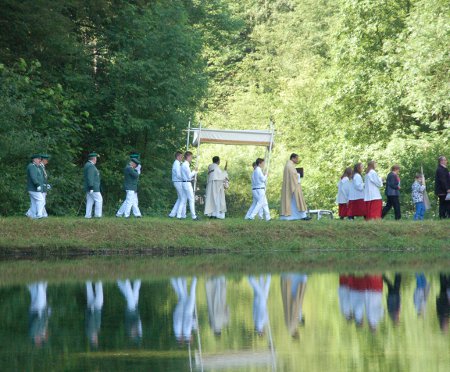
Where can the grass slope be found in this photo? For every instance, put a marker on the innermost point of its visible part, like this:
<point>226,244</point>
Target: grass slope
<point>162,235</point>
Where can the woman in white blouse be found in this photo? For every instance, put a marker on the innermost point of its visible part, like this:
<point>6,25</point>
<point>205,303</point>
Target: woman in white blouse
<point>356,204</point>
<point>372,195</point>
<point>343,190</point>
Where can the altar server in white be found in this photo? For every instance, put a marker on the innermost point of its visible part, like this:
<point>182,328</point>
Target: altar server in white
<point>178,184</point>
<point>259,180</point>
<point>188,192</point>
<point>254,201</point>
<point>372,195</point>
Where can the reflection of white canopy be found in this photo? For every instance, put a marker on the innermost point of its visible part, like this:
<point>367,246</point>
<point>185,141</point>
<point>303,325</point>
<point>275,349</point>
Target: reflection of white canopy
<point>232,137</point>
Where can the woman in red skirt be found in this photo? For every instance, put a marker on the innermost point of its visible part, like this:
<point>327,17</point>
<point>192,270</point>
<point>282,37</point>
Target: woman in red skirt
<point>343,190</point>
<point>372,195</point>
<point>356,204</point>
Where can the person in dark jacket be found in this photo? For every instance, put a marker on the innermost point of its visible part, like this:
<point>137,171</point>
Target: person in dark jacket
<point>393,193</point>
<point>442,187</point>
<point>35,187</point>
<point>130,185</point>
<point>92,187</point>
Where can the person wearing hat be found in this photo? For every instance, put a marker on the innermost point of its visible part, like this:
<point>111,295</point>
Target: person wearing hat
<point>130,185</point>
<point>92,187</point>
<point>47,187</point>
<point>35,187</point>
<point>136,155</point>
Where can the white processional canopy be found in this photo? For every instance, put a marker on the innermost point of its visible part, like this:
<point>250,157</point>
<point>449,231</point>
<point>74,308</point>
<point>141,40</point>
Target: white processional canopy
<point>232,137</point>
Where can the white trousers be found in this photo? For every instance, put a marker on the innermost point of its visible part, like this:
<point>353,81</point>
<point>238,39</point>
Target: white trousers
<point>94,300</point>
<point>44,211</point>
<point>130,292</point>
<point>37,204</point>
<point>91,199</point>
<point>188,196</point>
<point>261,204</point>
<point>179,188</point>
<point>252,207</point>
<point>130,202</point>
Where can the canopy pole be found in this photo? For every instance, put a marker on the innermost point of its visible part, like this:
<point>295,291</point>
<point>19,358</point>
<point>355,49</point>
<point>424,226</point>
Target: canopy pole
<point>272,350</point>
<point>270,147</point>
<point>198,337</point>
<point>197,156</point>
<point>188,135</point>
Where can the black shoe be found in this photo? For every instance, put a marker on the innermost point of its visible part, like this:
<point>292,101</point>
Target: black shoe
<point>306,219</point>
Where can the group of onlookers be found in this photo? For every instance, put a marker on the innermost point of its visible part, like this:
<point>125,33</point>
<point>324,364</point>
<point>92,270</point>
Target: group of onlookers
<point>358,197</point>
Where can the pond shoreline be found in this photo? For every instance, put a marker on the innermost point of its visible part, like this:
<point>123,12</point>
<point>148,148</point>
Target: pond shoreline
<point>20,236</point>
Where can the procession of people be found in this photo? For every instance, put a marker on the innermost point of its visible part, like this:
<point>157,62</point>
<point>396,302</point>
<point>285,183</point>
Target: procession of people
<point>358,194</point>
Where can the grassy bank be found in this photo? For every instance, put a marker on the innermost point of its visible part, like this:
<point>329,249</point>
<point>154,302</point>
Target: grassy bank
<point>67,235</point>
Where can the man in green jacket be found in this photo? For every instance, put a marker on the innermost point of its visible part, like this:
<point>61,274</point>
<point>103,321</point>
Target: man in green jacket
<point>92,187</point>
<point>35,187</point>
<point>130,185</point>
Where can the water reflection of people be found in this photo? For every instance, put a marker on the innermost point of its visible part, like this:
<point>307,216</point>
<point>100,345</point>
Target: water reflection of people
<point>374,300</point>
<point>443,302</point>
<point>216,297</point>
<point>357,286</point>
<point>261,289</point>
<point>183,315</point>
<point>393,297</point>
<point>133,324</point>
<point>421,293</point>
<point>94,302</point>
<point>293,287</point>
<point>344,296</point>
<point>39,313</point>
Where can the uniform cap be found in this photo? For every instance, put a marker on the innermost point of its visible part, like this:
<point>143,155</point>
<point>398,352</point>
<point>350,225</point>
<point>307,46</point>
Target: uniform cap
<point>93,155</point>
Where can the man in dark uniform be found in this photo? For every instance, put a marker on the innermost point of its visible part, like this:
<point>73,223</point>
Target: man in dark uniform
<point>35,187</point>
<point>130,185</point>
<point>92,187</point>
<point>442,187</point>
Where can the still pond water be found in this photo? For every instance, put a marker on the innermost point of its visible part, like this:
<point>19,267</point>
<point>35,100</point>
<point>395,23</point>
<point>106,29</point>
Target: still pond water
<point>268,322</point>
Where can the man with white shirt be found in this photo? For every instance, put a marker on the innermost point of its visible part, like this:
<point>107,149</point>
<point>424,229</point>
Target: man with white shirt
<point>178,184</point>
<point>188,192</point>
<point>254,201</point>
<point>372,195</point>
<point>259,191</point>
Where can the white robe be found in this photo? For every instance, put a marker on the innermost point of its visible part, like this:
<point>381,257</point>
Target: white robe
<point>215,204</point>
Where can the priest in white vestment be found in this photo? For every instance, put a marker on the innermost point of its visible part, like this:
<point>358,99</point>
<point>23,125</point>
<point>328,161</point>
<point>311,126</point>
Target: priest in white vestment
<point>215,205</point>
<point>293,206</point>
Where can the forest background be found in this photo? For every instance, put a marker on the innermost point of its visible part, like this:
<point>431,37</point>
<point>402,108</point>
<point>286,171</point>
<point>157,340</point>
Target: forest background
<point>343,81</point>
